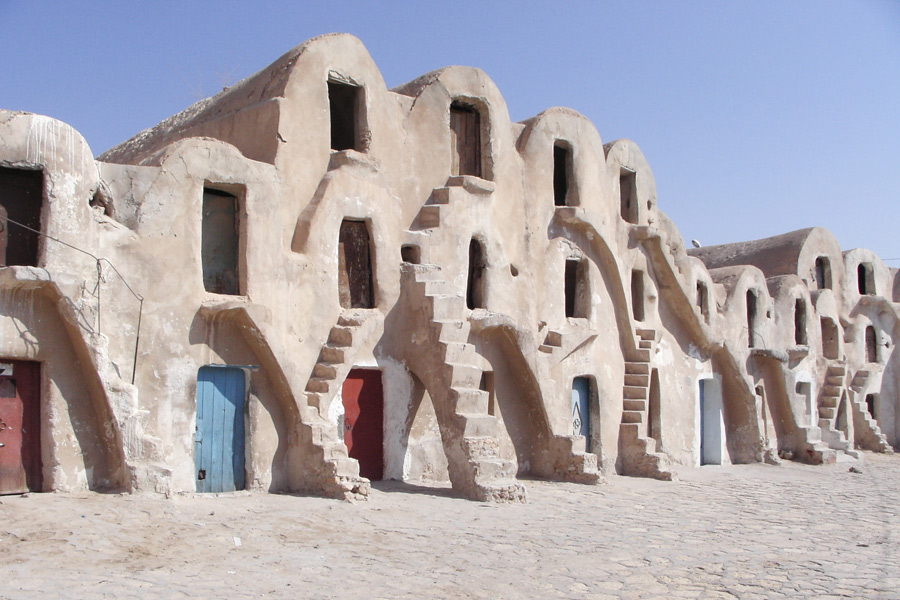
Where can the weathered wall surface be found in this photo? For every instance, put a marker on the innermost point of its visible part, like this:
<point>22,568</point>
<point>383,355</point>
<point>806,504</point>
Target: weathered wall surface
<point>505,261</point>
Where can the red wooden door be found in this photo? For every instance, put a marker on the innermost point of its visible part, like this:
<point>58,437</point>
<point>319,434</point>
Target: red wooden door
<point>364,421</point>
<point>20,427</point>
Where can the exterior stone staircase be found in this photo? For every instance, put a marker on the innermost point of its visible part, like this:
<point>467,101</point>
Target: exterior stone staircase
<point>340,474</point>
<point>829,402</point>
<point>638,455</point>
<point>471,435</point>
<point>868,435</point>
<point>330,371</point>
<point>336,359</point>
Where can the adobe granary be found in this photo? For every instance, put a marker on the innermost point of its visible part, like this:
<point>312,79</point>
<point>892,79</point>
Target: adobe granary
<point>309,282</point>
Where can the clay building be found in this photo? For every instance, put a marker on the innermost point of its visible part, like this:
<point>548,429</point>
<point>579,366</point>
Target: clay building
<point>310,281</point>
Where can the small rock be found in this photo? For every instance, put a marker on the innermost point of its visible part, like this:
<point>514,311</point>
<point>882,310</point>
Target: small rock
<point>855,470</point>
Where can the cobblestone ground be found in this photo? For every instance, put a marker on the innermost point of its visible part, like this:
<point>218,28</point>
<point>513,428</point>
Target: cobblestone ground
<point>752,531</point>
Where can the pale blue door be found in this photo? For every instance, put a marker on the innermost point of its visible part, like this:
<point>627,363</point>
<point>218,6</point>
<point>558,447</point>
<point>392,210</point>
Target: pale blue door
<point>219,438</point>
<point>581,415</point>
<point>712,432</point>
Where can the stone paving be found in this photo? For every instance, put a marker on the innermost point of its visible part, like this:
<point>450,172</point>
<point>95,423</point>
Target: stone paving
<point>754,531</point>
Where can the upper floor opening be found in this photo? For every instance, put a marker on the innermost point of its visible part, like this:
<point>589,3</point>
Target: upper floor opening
<point>346,104</point>
<point>21,199</point>
<point>865,279</point>
<point>823,273</point>
<point>628,199</point>
<point>221,242</point>
<point>468,134</point>
<point>565,192</point>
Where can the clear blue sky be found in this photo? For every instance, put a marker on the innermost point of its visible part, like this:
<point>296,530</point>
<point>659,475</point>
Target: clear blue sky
<point>757,117</point>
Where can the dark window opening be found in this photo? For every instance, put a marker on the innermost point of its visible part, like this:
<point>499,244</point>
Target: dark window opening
<point>870,405</point>
<point>871,345</point>
<point>703,300</point>
<point>751,318</point>
<point>410,253</point>
<point>344,102</point>
<point>800,322</point>
<point>577,293</point>
<point>465,139</point>
<point>654,424</point>
<point>865,279</point>
<point>487,385</point>
<point>823,273</point>
<point>637,295</point>
<point>829,338</point>
<point>355,280</point>
<point>220,242</point>
<point>21,197</point>
<point>475,286</point>
<point>628,195</point>
<point>562,174</point>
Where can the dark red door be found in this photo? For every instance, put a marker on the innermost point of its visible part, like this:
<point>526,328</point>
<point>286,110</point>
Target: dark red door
<point>364,421</point>
<point>20,426</point>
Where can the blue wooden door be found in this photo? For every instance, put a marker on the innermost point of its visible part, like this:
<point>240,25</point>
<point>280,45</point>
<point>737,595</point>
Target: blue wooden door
<point>219,438</point>
<point>581,415</point>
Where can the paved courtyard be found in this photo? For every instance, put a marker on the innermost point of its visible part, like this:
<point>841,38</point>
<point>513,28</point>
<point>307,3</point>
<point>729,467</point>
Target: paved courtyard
<point>752,531</point>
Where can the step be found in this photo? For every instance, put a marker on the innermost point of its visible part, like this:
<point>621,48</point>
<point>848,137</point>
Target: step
<point>645,344</point>
<point>459,352</point>
<point>453,330</point>
<point>630,404</point>
<point>547,349</point>
<point>637,380</point>
<point>332,354</point>
<point>322,432</point>
<point>314,399</point>
<point>646,334</point>
<point>317,384</point>
<point>430,216</point>
<point>634,391</point>
<point>350,320</point>
<point>637,368</point>
<point>478,425</point>
<point>632,416</point>
<point>642,355</point>
<point>469,400</point>
<point>447,306</point>
<point>834,380</point>
<point>325,370</point>
<point>828,401</point>
<point>465,376</point>
<point>505,491</point>
<point>648,445</point>
<point>341,336</point>
<point>827,412</point>
<point>334,450</point>
<point>345,467</point>
<point>492,469</point>
<point>832,390</point>
<point>478,447</point>
<point>440,195</point>
<point>428,272</point>
<point>629,433</point>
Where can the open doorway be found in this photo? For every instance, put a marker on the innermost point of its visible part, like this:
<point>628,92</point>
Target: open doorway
<point>363,399</point>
